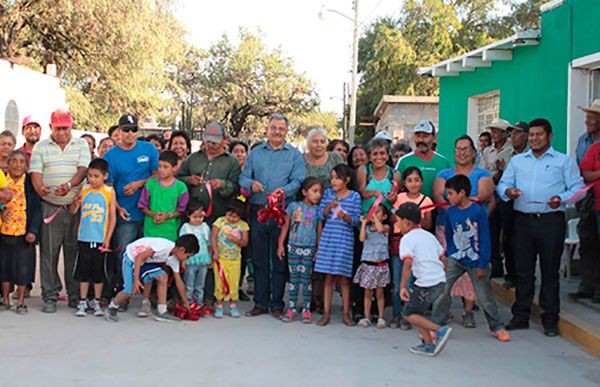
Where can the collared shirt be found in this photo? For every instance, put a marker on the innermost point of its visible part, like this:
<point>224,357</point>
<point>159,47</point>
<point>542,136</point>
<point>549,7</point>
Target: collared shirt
<point>224,167</point>
<point>583,144</point>
<point>58,166</point>
<point>27,153</point>
<point>491,155</point>
<point>429,166</point>
<point>552,174</point>
<point>273,168</point>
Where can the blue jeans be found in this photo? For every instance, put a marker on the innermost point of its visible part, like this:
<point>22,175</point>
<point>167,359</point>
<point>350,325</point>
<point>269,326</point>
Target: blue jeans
<point>194,278</point>
<point>125,233</point>
<point>269,271</point>
<point>397,303</point>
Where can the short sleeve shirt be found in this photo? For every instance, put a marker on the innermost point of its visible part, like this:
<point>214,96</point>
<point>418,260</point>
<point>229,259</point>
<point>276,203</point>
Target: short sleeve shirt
<point>162,251</point>
<point>491,155</point>
<point>202,233</point>
<point>159,198</point>
<point>425,252</point>
<point>303,233</point>
<point>14,216</point>
<point>429,168</point>
<point>228,250</point>
<point>58,166</point>
<point>591,162</point>
<point>421,201</point>
<point>130,165</point>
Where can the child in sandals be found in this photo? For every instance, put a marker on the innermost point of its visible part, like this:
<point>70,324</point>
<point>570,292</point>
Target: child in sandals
<point>373,272</point>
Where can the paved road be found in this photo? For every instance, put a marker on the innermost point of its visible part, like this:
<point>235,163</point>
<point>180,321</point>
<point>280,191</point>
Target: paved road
<point>62,350</point>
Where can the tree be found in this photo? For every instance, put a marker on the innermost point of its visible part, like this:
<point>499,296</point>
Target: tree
<point>246,82</point>
<point>110,54</point>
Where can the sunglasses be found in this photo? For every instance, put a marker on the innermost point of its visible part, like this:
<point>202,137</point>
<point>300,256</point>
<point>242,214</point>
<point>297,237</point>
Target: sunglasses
<point>130,129</point>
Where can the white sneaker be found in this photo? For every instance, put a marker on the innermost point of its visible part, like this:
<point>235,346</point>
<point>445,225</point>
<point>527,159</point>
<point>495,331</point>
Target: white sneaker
<point>81,309</point>
<point>98,312</point>
<point>145,310</point>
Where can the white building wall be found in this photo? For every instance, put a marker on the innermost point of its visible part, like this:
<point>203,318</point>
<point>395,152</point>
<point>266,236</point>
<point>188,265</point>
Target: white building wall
<point>33,92</point>
<point>400,119</point>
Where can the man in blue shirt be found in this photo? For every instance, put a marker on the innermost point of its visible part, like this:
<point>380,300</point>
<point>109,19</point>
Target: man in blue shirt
<point>270,166</point>
<point>539,181</point>
<point>589,244</point>
<point>131,163</point>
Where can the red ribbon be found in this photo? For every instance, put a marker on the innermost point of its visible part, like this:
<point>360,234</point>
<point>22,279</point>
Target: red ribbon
<point>223,278</point>
<point>54,215</point>
<point>210,198</point>
<point>374,206</point>
<point>275,209</point>
<point>195,312</point>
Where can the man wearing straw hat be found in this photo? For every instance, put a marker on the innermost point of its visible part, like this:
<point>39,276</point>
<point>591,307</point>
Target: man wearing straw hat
<point>589,245</point>
<point>58,166</point>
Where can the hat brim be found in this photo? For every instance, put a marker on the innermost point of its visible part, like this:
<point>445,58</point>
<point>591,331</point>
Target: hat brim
<point>511,128</point>
<point>215,139</point>
<point>128,126</point>
<point>422,131</point>
<point>590,109</point>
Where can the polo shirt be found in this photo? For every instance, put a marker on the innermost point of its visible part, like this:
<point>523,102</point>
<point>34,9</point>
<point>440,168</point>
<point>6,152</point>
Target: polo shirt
<point>58,166</point>
<point>429,166</point>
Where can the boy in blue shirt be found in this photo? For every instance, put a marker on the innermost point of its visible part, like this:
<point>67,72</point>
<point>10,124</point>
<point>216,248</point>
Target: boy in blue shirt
<point>468,250</point>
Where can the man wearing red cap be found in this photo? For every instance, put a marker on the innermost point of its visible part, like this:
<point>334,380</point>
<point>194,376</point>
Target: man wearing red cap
<point>58,166</point>
<point>32,130</point>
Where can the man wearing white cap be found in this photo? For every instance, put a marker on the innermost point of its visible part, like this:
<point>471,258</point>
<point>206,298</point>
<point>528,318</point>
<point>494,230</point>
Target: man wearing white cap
<point>589,244</point>
<point>32,130</point>
<point>424,157</point>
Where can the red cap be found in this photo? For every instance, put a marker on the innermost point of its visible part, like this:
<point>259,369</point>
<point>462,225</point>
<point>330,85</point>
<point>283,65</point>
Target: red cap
<point>61,118</point>
<point>31,120</point>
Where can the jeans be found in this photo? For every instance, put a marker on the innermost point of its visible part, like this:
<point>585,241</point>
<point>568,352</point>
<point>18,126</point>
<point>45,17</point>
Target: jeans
<point>125,233</point>
<point>270,272</point>
<point>61,232</point>
<point>194,278</point>
<point>441,306</point>
<point>397,303</point>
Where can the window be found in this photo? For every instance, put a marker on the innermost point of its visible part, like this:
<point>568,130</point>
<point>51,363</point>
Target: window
<point>11,117</point>
<point>594,85</point>
<point>483,109</point>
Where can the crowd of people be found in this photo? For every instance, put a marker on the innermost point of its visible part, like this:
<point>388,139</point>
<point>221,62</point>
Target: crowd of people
<point>381,223</point>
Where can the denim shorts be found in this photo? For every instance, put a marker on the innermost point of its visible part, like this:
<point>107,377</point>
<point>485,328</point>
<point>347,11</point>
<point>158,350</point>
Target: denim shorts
<point>422,298</point>
<point>148,271</point>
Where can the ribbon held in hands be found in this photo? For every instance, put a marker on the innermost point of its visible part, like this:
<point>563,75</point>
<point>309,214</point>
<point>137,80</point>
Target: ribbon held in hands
<point>374,206</point>
<point>275,208</point>
<point>50,218</point>
<point>223,277</point>
<point>210,198</point>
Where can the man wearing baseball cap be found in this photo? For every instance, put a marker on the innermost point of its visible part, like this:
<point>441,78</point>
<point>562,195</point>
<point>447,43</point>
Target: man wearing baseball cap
<point>58,167</point>
<point>424,157</point>
<point>31,130</point>
<point>589,243</point>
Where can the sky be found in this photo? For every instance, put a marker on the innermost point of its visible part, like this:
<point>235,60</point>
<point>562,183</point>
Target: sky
<point>321,48</point>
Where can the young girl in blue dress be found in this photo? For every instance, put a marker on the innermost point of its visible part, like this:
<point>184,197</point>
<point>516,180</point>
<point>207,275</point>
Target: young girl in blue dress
<point>340,211</point>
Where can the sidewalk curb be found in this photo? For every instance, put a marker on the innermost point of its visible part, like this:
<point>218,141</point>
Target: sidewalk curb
<point>571,327</point>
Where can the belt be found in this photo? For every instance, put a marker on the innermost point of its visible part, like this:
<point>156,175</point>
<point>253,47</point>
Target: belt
<point>539,215</point>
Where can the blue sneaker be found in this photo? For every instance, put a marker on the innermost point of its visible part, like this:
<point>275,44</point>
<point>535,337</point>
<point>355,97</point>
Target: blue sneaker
<point>218,311</point>
<point>441,337</point>
<point>423,349</point>
<point>234,312</point>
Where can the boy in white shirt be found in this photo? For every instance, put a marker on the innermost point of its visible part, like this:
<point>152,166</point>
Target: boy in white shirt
<point>422,254</point>
<point>142,262</point>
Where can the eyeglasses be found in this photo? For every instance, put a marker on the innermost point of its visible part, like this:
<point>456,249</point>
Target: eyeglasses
<point>130,129</point>
<point>463,150</point>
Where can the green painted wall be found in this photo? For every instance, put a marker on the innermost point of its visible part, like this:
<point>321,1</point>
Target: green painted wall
<point>534,83</point>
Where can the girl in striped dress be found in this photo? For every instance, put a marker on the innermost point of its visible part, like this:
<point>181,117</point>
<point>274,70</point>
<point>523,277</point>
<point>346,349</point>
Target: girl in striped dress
<point>340,211</point>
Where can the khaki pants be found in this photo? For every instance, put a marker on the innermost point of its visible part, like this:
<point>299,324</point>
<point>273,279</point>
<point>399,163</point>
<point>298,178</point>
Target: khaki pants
<point>61,232</point>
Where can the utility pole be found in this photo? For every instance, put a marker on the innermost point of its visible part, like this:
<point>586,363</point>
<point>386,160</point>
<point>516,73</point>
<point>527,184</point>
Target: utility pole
<point>345,112</point>
<point>354,85</point>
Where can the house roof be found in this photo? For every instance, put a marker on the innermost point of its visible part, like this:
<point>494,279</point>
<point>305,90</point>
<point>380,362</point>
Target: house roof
<point>483,56</point>
<point>403,99</point>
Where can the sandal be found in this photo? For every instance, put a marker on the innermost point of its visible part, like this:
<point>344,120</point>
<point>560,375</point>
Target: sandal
<point>348,320</point>
<point>324,320</point>
<point>380,323</point>
<point>364,322</point>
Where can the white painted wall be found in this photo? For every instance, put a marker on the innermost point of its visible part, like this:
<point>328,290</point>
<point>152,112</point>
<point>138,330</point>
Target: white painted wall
<point>34,93</point>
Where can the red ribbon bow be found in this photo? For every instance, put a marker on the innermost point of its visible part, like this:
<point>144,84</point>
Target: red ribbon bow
<point>275,209</point>
<point>194,314</point>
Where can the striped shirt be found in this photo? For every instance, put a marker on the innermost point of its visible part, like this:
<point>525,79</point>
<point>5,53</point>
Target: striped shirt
<point>58,166</point>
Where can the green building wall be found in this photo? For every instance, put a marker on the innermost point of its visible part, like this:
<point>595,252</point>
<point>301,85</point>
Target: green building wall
<point>534,83</point>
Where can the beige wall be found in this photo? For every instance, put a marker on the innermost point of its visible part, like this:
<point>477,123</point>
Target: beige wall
<point>400,119</point>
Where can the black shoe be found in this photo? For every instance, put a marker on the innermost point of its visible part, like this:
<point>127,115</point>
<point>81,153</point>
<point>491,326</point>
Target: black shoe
<point>596,297</point>
<point>242,296</point>
<point>256,311</point>
<point>515,324</point>
<point>73,303</point>
<point>578,295</point>
<point>551,330</point>
<point>123,306</point>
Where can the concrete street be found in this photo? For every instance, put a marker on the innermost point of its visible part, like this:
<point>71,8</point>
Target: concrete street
<point>62,350</point>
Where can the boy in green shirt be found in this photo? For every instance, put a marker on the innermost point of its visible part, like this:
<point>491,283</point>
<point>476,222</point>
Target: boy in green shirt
<point>164,200</point>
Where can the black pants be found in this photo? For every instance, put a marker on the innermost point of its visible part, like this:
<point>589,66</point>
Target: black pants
<point>589,251</point>
<point>541,236</point>
<point>501,229</point>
